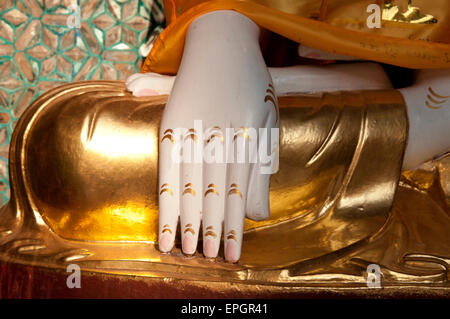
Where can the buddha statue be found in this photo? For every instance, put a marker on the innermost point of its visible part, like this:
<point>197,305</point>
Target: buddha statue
<point>357,171</point>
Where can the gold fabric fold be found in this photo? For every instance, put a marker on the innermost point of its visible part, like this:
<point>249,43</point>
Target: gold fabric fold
<point>83,172</point>
<point>84,158</point>
<point>343,30</point>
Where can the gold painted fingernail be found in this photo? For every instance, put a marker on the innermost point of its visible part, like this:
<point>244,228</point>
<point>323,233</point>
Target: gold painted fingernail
<point>234,189</point>
<point>211,189</point>
<point>165,188</point>
<point>189,189</point>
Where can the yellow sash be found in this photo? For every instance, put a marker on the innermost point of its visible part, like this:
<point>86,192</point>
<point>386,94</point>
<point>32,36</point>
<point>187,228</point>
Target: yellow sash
<point>418,37</point>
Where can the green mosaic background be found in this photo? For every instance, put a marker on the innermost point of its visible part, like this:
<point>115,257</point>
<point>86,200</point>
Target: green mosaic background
<point>42,46</point>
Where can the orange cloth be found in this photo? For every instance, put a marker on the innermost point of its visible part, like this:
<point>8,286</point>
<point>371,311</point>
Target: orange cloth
<point>342,31</point>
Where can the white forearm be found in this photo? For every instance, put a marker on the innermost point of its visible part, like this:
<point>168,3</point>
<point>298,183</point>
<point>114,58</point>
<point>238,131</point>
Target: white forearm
<point>428,106</point>
<point>307,78</point>
<point>329,78</point>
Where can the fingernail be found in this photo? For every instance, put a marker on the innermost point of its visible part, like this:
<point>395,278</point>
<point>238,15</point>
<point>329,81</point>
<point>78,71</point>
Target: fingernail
<point>165,243</point>
<point>188,245</point>
<point>146,92</point>
<point>210,249</point>
<point>231,252</point>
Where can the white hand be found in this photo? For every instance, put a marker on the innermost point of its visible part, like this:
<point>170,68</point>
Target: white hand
<point>224,83</point>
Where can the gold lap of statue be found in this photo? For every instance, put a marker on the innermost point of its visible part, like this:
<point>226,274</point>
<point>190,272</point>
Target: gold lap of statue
<point>83,173</point>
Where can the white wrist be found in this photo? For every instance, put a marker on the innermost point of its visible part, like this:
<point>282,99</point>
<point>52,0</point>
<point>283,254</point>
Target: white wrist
<point>429,116</point>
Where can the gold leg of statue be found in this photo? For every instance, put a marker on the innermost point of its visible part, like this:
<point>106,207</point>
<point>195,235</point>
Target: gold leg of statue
<point>83,171</point>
